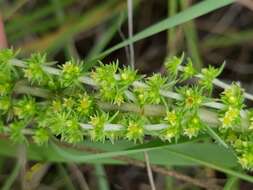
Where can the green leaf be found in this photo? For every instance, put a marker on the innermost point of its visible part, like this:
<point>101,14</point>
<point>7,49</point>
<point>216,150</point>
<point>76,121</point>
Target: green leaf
<point>156,149</point>
<point>210,157</point>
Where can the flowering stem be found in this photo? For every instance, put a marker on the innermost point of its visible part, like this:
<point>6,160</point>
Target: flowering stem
<point>168,94</point>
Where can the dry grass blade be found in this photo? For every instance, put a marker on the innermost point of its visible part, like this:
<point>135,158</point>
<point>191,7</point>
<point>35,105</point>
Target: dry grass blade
<point>149,170</point>
<point>79,176</point>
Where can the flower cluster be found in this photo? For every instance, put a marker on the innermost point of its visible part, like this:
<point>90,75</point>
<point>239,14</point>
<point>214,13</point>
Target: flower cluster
<point>233,100</point>
<point>208,75</point>
<point>70,73</point>
<point>112,85</point>
<point>110,103</point>
<point>150,93</point>
<point>34,71</point>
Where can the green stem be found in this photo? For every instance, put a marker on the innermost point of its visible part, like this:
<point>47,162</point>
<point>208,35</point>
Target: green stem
<point>9,182</point>
<point>101,177</point>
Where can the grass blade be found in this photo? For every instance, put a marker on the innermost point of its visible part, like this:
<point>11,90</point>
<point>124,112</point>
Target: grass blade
<point>232,184</point>
<point>101,177</point>
<point>9,182</point>
<point>191,156</point>
<point>193,12</point>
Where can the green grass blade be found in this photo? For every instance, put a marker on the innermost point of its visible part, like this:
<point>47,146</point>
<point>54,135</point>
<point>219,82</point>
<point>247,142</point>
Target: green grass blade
<point>206,159</point>
<point>69,48</point>
<point>228,39</point>
<point>64,175</point>
<point>38,28</point>
<point>32,17</point>
<point>48,153</point>
<point>215,136</point>
<point>101,177</point>
<point>193,12</point>
<point>14,8</point>
<point>171,34</point>
<point>9,182</point>
<point>231,184</point>
<point>54,41</point>
<point>65,153</point>
<point>191,36</point>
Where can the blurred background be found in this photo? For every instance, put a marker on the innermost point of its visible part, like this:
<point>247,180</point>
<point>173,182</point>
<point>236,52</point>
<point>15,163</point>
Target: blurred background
<point>83,29</point>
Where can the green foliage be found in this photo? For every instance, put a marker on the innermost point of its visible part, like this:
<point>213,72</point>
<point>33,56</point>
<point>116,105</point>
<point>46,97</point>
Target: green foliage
<point>172,65</point>
<point>25,108</point>
<point>208,75</point>
<point>16,133</point>
<point>34,71</point>
<point>189,71</point>
<point>116,103</point>
<point>192,97</point>
<point>70,73</point>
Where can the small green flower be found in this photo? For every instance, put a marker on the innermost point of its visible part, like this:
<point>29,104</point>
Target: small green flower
<point>105,74</point>
<point>231,117</point>
<point>6,55</point>
<point>25,108</point>
<point>155,83</point>
<point>141,95</point>
<point>73,132</point>
<point>189,71</point>
<point>16,132</point>
<point>150,94</point>
<point>5,103</point>
<point>233,96</point>
<point>246,160</point>
<point>34,71</point>
<point>172,65</point>
<point>208,75</point>
<point>173,118</point>
<point>68,103</point>
<point>108,93</point>
<point>98,121</point>
<point>41,137</point>
<point>5,88</point>
<point>56,105</point>
<point>242,146</point>
<point>127,75</point>
<point>135,131</point>
<point>231,136</point>
<point>57,122</point>
<point>8,71</point>
<point>70,74</point>
<point>172,132</point>
<point>119,98</point>
<point>193,127</point>
<point>84,104</point>
<point>112,86</point>
<point>192,97</point>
